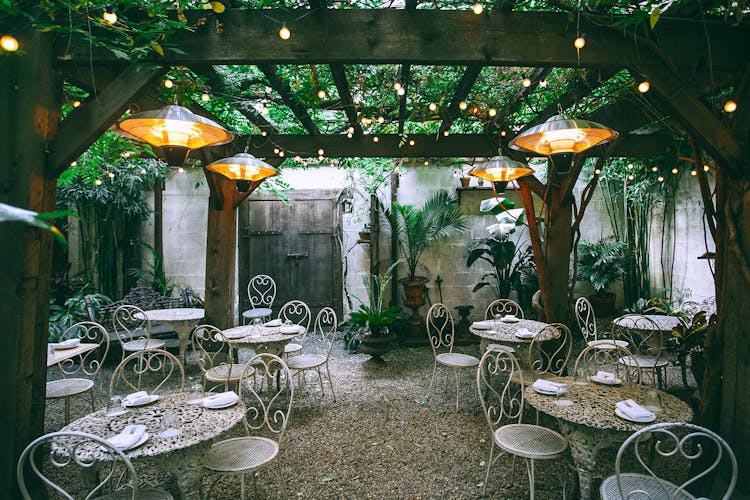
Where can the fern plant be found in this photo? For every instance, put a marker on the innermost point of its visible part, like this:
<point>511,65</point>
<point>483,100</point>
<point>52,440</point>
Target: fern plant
<point>603,263</point>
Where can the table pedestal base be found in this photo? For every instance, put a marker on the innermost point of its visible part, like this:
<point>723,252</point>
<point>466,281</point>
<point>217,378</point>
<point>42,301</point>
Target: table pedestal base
<point>185,467</point>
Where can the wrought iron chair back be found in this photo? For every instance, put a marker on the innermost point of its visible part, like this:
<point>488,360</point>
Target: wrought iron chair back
<point>702,448</point>
<point>212,350</point>
<point>298,313</point>
<point>130,323</point>
<point>586,319</point>
<point>261,291</point>
<point>267,410</point>
<point>690,308</point>
<point>326,324</point>
<point>645,340</point>
<point>605,356</point>
<point>78,454</point>
<point>503,307</point>
<point>543,357</point>
<point>149,370</point>
<point>502,400</point>
<point>88,363</point>
<point>440,328</point>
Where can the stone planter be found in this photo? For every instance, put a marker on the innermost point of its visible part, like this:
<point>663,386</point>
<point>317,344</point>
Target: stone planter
<point>465,181</point>
<point>604,305</point>
<point>376,345</point>
<point>414,298</point>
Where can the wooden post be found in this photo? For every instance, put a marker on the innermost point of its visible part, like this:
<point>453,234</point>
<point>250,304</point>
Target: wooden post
<point>30,95</point>
<point>557,254</point>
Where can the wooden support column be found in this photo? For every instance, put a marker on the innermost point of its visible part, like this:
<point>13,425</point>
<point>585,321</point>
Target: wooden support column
<point>30,99</point>
<point>557,253</point>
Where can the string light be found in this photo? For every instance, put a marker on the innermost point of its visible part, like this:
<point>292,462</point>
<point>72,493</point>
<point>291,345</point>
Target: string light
<point>321,152</point>
<point>180,170</point>
<point>401,91</point>
<point>503,133</point>
<point>526,82</point>
<point>73,163</point>
<point>462,105</point>
<point>76,103</point>
<point>281,154</point>
<point>168,83</point>
<point>675,170</point>
<point>644,87</point>
<point>109,16</point>
<point>205,97</point>
<point>706,168</point>
<point>321,94</point>
<point>654,168</point>
<point>143,171</point>
<point>98,182</point>
<point>693,172</point>
<point>631,177</point>
<point>597,171</point>
<point>411,142</point>
<point>630,166</point>
<point>579,42</point>
<point>381,119</point>
<point>263,133</point>
<point>111,175</point>
<point>660,178</point>
<point>433,106</point>
<point>320,158</point>
<point>426,163</point>
<point>478,8</point>
<point>9,43</point>
<point>396,86</point>
<point>446,133</point>
<point>543,83</point>
<point>492,112</point>
<point>275,151</point>
<point>730,106</point>
<point>284,32</point>
<point>375,139</point>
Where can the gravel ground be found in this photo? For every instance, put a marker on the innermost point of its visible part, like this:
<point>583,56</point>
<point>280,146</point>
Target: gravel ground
<point>380,439</point>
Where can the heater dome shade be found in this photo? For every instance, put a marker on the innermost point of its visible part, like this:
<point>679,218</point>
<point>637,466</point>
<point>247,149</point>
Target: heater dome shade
<point>563,135</point>
<point>243,167</point>
<point>174,126</point>
<point>501,169</point>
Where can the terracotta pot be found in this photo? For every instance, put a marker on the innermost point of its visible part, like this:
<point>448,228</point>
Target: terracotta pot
<point>604,305</point>
<point>465,181</point>
<point>376,345</point>
<point>414,295</point>
<point>364,235</point>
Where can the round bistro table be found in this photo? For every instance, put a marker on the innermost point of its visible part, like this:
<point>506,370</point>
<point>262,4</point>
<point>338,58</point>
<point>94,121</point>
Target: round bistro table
<point>503,332</point>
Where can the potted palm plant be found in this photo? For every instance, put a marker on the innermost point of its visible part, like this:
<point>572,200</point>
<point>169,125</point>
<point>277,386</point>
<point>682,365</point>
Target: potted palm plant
<point>603,264</point>
<point>372,318</point>
<point>417,228</point>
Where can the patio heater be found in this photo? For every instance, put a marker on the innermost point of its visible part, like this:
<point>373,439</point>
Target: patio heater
<point>243,168</point>
<point>175,129</point>
<point>500,170</point>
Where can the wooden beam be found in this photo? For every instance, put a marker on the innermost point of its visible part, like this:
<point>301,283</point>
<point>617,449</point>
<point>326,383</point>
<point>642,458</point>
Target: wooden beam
<point>426,146</point>
<point>215,81</point>
<point>280,86</point>
<point>86,123</point>
<point>345,95</point>
<point>430,36</point>
<point>470,75</point>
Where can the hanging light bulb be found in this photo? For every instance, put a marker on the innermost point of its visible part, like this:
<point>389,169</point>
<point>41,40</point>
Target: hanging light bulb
<point>73,163</point>
<point>631,177</point>
<point>563,135</point>
<point>205,97</point>
<point>654,168</point>
<point>243,167</point>
<point>693,172</point>
<point>168,84</point>
<point>706,168</point>
<point>98,182</point>
<point>660,178</point>
<point>411,142</point>
<point>174,129</point>
<point>375,139</point>
<point>492,112</point>
<point>284,32</point>
<point>503,133</point>
<point>446,133</point>
<point>321,152</point>
<point>675,170</point>
<point>76,103</point>
<point>543,83</point>
<point>9,43</point>
<point>630,166</point>
<point>730,106</point>
<point>433,106</point>
<point>477,8</point>
<point>109,15</point>
<point>321,94</point>
<point>426,163</point>
<point>263,133</point>
<point>597,171</point>
<point>180,170</point>
<point>381,119</point>
<point>401,91</point>
<point>462,105</point>
<point>281,154</point>
<point>579,42</point>
<point>526,82</point>
<point>396,86</point>
<point>644,87</point>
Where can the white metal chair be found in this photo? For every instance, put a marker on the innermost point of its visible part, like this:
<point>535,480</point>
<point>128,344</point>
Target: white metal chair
<point>586,319</point>
<point>646,342</point>
<point>298,313</point>
<point>690,308</point>
<point>147,370</point>
<point>605,356</point>
<point>685,445</point>
<point>503,405</point>
<point>441,334</point>
<point>503,307</point>
<point>323,335</point>
<point>87,365</point>
<point>267,412</point>
<point>215,357</point>
<point>78,454</point>
<point>133,330</point>
<point>261,292</point>
<point>549,354</point>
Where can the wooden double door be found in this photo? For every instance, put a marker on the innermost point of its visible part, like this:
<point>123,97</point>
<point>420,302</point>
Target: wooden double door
<point>297,243</point>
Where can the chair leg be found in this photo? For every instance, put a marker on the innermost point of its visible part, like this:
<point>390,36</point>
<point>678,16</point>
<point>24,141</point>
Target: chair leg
<point>320,381</point>
<point>458,385</point>
<point>432,381</point>
<point>67,410</point>
<point>93,401</point>
<point>530,470</point>
<point>489,466</point>
<point>330,382</point>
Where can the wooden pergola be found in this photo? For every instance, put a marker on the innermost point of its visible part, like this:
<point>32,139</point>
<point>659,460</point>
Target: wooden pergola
<point>38,146</point>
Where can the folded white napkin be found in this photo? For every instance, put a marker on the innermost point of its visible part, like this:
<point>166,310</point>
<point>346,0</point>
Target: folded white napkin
<point>524,333</point>
<point>136,398</point>
<point>273,322</point>
<point>129,436</point>
<point>235,335</point>
<point>482,325</point>
<point>220,399</point>
<point>634,411</point>
<point>607,377</point>
<point>549,386</point>
<point>67,344</point>
<point>290,329</point>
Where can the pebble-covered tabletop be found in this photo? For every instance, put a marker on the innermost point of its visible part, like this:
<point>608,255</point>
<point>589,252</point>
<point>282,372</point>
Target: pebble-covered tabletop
<point>182,320</point>
<point>664,322</point>
<point>590,423</point>
<point>180,455</point>
<point>260,339</point>
<point>504,332</point>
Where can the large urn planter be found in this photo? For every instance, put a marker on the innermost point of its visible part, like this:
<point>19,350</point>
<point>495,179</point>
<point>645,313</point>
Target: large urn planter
<point>603,304</point>
<point>376,345</point>
<point>415,297</point>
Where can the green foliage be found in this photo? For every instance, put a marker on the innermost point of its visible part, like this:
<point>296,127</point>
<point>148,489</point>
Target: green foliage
<point>603,263</point>
<point>372,314</point>
<point>511,264</point>
<point>74,310</point>
<point>155,274</point>
<point>436,220</point>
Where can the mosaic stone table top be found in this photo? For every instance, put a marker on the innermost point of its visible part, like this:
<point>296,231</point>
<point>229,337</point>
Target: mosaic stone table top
<point>501,331</point>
